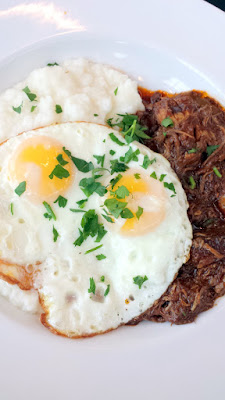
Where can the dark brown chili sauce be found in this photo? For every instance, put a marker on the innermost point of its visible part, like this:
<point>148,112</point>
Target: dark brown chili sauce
<point>198,122</point>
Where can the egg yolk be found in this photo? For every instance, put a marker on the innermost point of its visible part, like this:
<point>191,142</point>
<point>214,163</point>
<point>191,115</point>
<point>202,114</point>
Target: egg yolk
<point>147,193</point>
<point>34,161</point>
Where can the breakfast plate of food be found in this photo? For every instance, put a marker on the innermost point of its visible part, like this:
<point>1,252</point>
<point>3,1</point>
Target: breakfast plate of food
<point>112,209</point>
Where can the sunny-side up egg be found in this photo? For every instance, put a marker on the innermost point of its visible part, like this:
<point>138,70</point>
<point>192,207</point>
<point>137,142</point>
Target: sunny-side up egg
<point>98,227</point>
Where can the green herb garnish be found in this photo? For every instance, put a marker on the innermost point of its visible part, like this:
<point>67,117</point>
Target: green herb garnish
<point>162,176</point>
<point>139,212</point>
<point>115,91</point>
<point>130,155</point>
<point>11,208</point>
<point>153,175</point>
<point>167,122</point>
<point>107,290</point>
<point>18,109</point>
<point>122,192</point>
<point>102,279</point>
<point>217,172</point>
<point>115,206</point>
<point>101,257</point>
<point>92,286</point>
<point>81,203</point>
<point>91,227</point>
<point>192,182</point>
<point>31,96</point>
<point>95,115</point>
<point>193,150</point>
<point>21,188</point>
<point>58,109</point>
<point>50,213</point>
<point>164,134</point>
<point>52,65</point>
<point>211,149</point>
<point>147,162</point>
<point>115,180</point>
<point>117,166</point>
<point>81,165</point>
<point>108,218</point>
<point>93,249</point>
<point>130,128</point>
<point>32,108</point>
<point>137,176</point>
<point>139,280</point>
<point>59,172</point>
<point>89,186</point>
<point>170,186</point>
<point>112,152</point>
<point>61,160</point>
<point>126,214</point>
<point>55,234</point>
<point>115,139</point>
<point>100,159</point>
<point>62,201</point>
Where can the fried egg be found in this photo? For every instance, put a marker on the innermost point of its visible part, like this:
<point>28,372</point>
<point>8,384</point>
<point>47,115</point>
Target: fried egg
<point>98,238</point>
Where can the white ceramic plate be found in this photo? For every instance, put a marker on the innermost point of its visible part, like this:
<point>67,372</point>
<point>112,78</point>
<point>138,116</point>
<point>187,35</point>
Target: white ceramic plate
<point>172,45</point>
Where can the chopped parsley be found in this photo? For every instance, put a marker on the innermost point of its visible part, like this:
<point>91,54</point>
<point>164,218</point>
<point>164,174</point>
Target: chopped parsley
<point>217,172</point>
<point>31,96</point>
<point>115,91</point>
<point>193,150</point>
<point>116,140</point>
<point>162,176</point>
<point>115,206</point>
<point>167,122</point>
<point>18,109</point>
<point>122,192</point>
<point>192,182</point>
<point>62,201</point>
<point>92,286</point>
<point>55,234</point>
<point>130,155</point>
<point>59,172</point>
<point>95,115</point>
<point>137,176</point>
<point>115,180</point>
<point>139,280</point>
<point>102,279</point>
<point>77,210</point>
<point>101,257</point>
<point>169,186</point>
<point>11,208</point>
<point>58,109</point>
<point>91,227</point>
<point>130,128</point>
<point>93,249</point>
<point>153,175</point>
<point>147,162</point>
<point>52,65</point>
<point>164,134</point>
<point>127,214</point>
<point>107,290</point>
<point>89,186</point>
<point>117,166</point>
<point>50,213</point>
<point>81,165</point>
<point>32,108</point>
<point>21,188</point>
<point>61,160</point>
<point>139,212</point>
<point>107,218</point>
<point>81,203</point>
<point>211,149</point>
<point>100,159</point>
<point>112,152</point>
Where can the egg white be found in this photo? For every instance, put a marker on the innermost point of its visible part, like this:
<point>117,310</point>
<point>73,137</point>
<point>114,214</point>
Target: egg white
<point>65,270</point>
